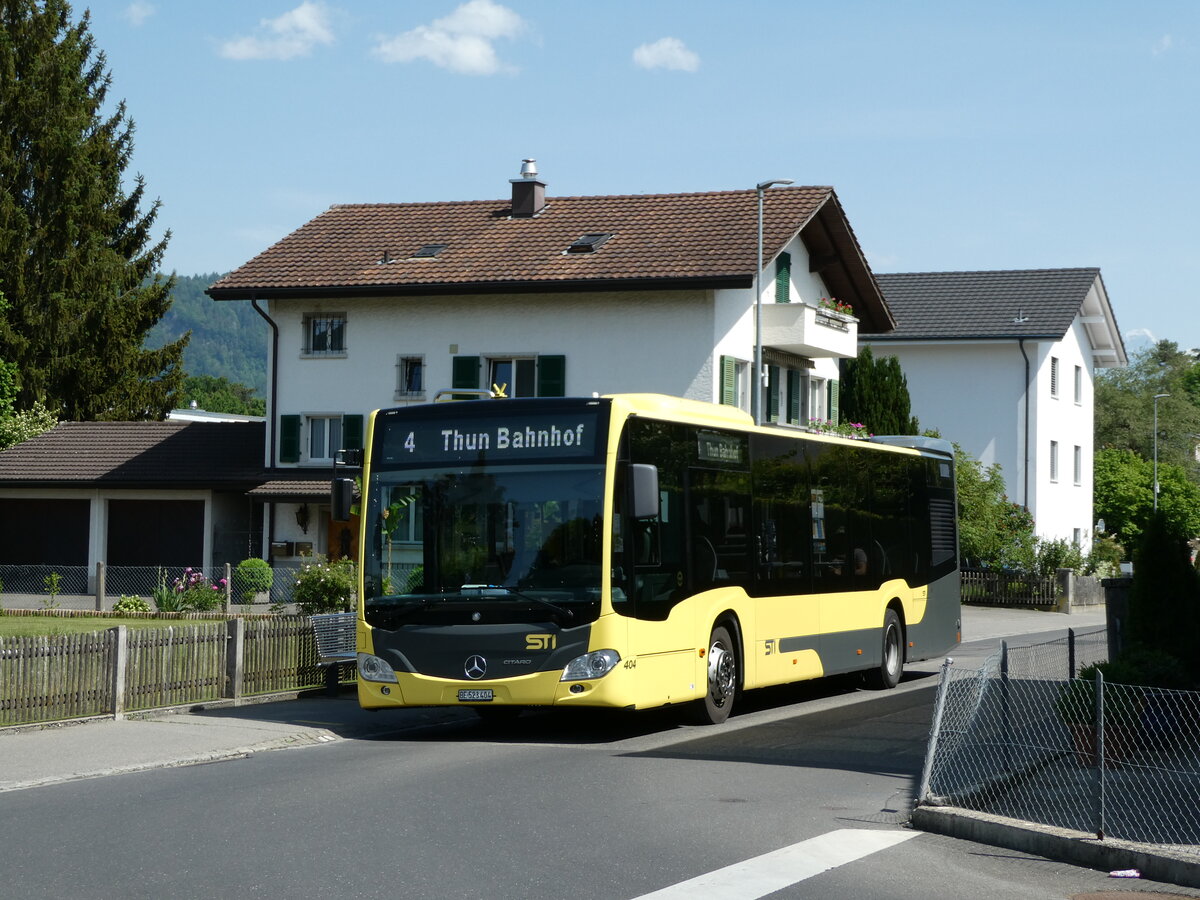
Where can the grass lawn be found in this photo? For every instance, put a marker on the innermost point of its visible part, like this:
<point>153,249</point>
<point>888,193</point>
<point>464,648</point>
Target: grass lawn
<point>26,626</point>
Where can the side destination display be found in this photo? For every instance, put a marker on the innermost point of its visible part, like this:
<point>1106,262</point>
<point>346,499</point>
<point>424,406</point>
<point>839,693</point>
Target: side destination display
<point>409,440</point>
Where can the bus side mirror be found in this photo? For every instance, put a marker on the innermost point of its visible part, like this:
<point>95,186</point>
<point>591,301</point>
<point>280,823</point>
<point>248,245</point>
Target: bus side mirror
<point>645,490</point>
<point>342,498</point>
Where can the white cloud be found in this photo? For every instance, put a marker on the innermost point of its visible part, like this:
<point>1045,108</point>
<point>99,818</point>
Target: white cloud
<point>1140,334</point>
<point>461,42</point>
<point>667,53</point>
<point>295,33</point>
<point>138,12</point>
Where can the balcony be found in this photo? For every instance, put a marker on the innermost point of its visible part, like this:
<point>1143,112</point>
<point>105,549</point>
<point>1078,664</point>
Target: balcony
<point>807,331</point>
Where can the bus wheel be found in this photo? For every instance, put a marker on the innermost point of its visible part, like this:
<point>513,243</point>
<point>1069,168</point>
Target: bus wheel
<point>892,664</point>
<point>722,679</point>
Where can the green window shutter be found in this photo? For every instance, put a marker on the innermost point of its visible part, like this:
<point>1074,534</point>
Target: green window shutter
<point>773,393</point>
<point>793,390</point>
<point>552,376</point>
<point>289,439</point>
<point>465,372</point>
<point>352,432</point>
<point>728,381</point>
<point>783,278</point>
<point>834,393</point>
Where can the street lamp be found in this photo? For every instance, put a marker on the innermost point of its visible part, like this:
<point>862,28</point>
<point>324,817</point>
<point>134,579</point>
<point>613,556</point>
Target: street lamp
<point>756,397</point>
<point>1157,397</point>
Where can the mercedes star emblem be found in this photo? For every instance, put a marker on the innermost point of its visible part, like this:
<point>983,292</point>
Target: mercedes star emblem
<point>475,666</point>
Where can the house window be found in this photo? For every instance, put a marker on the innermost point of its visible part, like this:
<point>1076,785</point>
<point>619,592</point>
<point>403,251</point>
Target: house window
<point>783,278</point>
<point>318,435</point>
<point>1077,537</point>
<point>521,376</point>
<point>785,395</point>
<point>818,394</point>
<point>518,376</point>
<point>1054,460</point>
<point>1079,465</point>
<point>325,335</point>
<point>1054,376</point>
<point>324,437</point>
<point>735,382</point>
<point>1079,385</point>
<point>410,372</point>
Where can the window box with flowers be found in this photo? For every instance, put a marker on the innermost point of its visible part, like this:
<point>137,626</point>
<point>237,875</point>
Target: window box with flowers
<point>833,313</point>
<point>856,431</point>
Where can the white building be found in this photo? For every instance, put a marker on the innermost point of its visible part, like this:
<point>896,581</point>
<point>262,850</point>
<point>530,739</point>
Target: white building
<point>1002,363</point>
<point>382,305</point>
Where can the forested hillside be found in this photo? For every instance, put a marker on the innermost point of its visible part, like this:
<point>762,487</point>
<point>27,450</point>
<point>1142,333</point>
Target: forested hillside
<point>229,339</point>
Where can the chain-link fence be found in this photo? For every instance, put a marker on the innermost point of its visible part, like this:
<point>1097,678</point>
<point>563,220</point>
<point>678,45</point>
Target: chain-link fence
<point>99,587</point>
<point>1021,738</point>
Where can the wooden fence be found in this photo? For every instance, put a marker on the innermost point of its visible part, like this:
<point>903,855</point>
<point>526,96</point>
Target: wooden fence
<point>112,672</point>
<point>989,588</point>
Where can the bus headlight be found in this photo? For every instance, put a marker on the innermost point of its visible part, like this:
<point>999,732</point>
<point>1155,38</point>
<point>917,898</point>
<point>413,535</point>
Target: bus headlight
<point>596,664</point>
<point>372,668</point>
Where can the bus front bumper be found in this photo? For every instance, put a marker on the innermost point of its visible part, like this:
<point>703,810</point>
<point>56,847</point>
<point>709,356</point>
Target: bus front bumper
<point>539,689</point>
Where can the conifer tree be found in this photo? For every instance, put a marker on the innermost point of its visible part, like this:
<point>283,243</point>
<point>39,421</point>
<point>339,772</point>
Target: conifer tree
<point>77,260</point>
<point>875,393</point>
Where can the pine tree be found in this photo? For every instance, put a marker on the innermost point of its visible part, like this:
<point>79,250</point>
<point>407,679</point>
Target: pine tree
<point>875,393</point>
<point>77,260</point>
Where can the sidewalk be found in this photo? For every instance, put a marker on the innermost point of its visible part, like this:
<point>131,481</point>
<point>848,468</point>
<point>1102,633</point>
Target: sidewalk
<point>31,756</point>
<point>35,756</point>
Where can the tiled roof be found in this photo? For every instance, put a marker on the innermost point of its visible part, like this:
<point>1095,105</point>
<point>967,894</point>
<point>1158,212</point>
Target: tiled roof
<point>981,305</point>
<point>280,489</point>
<point>658,240</point>
<point>139,454</point>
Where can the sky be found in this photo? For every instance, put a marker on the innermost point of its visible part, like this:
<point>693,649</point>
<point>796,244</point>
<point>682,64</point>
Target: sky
<point>958,135</point>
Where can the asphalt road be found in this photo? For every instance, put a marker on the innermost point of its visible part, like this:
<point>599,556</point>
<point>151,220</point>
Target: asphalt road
<point>419,804</point>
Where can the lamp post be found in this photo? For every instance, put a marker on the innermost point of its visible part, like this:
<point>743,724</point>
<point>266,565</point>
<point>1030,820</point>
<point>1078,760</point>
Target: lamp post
<point>1157,397</point>
<point>756,397</point>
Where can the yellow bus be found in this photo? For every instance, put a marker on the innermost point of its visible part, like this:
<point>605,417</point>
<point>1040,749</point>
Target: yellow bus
<point>636,550</point>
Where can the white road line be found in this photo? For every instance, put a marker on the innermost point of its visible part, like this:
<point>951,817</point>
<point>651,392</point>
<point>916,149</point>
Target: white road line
<point>776,870</point>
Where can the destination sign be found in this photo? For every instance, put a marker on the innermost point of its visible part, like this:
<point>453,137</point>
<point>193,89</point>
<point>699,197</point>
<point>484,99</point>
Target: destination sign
<point>558,434</point>
<point>712,446</point>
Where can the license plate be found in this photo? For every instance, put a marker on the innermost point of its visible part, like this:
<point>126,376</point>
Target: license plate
<point>475,695</point>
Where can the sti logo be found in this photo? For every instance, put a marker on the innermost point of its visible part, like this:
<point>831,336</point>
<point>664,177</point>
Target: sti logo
<point>541,641</point>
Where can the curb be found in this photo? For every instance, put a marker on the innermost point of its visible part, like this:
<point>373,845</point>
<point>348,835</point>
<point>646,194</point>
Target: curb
<point>281,742</point>
<point>1074,847</point>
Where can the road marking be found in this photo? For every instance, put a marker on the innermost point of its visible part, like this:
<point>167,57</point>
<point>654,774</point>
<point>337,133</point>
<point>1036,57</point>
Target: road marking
<point>776,870</point>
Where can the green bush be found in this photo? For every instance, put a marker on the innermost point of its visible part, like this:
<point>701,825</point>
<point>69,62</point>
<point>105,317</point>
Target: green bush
<point>251,577</point>
<point>1105,558</point>
<point>131,604</point>
<point>325,587</point>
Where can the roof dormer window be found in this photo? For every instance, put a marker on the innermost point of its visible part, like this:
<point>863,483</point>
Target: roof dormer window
<point>589,243</point>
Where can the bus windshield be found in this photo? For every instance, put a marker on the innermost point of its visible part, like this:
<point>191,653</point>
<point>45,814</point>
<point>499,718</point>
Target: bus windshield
<point>520,541</point>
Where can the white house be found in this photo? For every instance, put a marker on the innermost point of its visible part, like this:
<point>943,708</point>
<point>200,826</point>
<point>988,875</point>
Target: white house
<point>1002,363</point>
<point>381,305</point>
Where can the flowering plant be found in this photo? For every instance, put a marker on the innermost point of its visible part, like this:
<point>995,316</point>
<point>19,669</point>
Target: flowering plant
<point>193,592</point>
<point>325,587</point>
<point>836,305</point>
<point>854,430</point>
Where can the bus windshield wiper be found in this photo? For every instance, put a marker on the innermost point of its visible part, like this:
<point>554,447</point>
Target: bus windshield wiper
<point>503,590</point>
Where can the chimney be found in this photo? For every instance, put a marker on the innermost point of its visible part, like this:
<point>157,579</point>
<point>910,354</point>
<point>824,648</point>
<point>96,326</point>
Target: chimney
<point>528,193</point>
